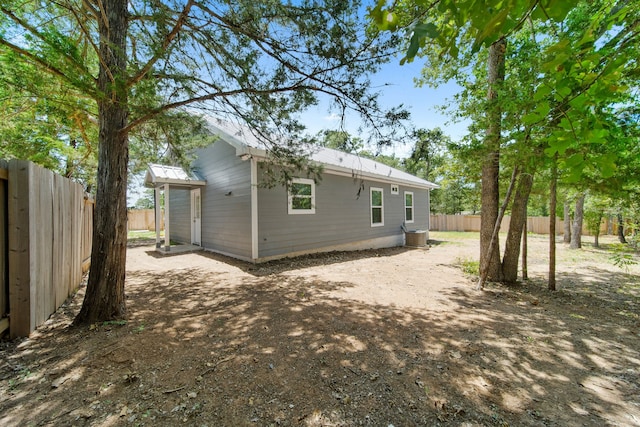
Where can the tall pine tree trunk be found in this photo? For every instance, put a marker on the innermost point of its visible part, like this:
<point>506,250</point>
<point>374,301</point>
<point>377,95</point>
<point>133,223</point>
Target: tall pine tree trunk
<point>490,254</point>
<point>104,298</point>
<point>578,219</point>
<point>516,227</point>
<point>553,202</point>
<point>567,222</point>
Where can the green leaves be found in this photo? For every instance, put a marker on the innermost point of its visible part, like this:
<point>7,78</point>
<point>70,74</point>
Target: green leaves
<point>446,22</point>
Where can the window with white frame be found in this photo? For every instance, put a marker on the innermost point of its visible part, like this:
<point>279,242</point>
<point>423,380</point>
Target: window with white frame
<point>302,196</point>
<point>377,207</point>
<point>408,206</point>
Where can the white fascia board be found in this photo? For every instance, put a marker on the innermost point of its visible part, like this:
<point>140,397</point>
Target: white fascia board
<point>337,170</point>
<point>179,182</point>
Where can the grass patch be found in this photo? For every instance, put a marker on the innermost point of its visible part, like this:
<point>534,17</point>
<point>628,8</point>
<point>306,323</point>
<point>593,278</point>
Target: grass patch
<point>142,235</point>
<point>468,266</point>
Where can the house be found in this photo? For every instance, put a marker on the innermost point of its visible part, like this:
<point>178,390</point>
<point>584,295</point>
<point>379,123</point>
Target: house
<point>221,205</point>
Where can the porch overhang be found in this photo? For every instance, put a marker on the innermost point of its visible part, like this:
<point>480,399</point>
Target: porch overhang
<point>160,175</point>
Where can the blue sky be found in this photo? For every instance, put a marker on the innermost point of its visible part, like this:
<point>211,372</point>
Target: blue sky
<point>399,89</point>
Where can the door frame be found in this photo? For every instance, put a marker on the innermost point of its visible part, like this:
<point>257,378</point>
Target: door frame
<point>196,217</point>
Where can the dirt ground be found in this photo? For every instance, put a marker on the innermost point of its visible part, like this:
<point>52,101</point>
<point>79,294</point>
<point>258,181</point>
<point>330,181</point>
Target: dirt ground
<point>394,337</point>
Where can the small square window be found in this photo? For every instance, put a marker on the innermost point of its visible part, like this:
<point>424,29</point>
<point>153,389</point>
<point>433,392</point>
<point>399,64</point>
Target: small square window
<point>395,189</point>
<point>302,196</point>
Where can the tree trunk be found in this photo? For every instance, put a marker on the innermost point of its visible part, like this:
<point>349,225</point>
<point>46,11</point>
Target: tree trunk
<point>516,226</point>
<point>525,272</point>
<point>494,235</point>
<point>553,201</point>
<point>576,232</point>
<point>490,254</point>
<point>567,222</point>
<point>621,237</point>
<point>104,299</point>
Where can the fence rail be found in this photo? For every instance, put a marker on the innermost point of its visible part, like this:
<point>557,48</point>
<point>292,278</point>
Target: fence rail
<point>46,226</point>
<point>535,224</point>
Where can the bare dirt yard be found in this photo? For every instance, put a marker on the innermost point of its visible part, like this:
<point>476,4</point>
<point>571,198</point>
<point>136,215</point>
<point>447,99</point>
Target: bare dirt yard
<point>381,337</point>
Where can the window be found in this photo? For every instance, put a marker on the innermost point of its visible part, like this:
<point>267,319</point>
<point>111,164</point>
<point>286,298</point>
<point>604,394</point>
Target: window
<point>395,189</point>
<point>302,196</point>
<point>408,206</point>
<point>377,207</point>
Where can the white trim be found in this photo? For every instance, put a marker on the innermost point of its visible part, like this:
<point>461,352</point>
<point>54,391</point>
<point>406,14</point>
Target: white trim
<point>375,243</point>
<point>196,217</point>
<point>413,207</point>
<point>371,206</point>
<point>254,208</point>
<point>167,233</point>
<point>156,206</point>
<point>290,197</point>
<point>374,178</point>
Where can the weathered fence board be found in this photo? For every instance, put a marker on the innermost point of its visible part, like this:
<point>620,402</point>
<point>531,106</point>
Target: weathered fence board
<point>4,248</point>
<point>49,242</point>
<point>143,219</point>
<point>535,224</point>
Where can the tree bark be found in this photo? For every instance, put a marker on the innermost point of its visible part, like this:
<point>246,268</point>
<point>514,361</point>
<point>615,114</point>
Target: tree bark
<point>494,235</point>
<point>104,299</point>
<point>553,201</point>
<point>578,219</point>
<point>525,272</point>
<point>490,254</point>
<point>516,227</point>
<point>621,237</point>
<point>567,222</point>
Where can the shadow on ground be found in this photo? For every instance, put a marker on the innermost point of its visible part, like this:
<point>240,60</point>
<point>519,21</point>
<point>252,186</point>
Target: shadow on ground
<point>268,349</point>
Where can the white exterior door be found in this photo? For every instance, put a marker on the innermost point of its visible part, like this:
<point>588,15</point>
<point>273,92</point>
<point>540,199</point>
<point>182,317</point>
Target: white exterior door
<point>196,221</point>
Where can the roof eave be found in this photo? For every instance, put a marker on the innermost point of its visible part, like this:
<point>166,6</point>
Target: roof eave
<point>338,170</point>
<point>187,183</point>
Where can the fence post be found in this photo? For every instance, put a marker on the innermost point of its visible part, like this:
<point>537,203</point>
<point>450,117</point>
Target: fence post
<point>4,246</point>
<point>20,300</point>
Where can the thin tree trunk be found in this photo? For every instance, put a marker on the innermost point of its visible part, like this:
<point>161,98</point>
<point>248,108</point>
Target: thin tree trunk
<point>493,244</point>
<point>578,218</point>
<point>552,223</point>
<point>567,222</point>
<point>104,299</point>
<point>516,226</point>
<point>525,273</point>
<point>621,237</point>
<point>490,266</point>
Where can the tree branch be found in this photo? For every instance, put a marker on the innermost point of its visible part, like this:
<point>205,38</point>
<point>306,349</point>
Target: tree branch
<point>165,44</point>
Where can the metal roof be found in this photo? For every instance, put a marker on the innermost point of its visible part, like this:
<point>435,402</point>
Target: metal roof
<point>158,175</point>
<point>334,161</point>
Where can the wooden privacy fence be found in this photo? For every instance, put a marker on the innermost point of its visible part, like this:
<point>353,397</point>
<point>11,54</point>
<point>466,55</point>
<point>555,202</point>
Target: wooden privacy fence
<point>535,224</point>
<point>143,219</point>
<point>46,224</point>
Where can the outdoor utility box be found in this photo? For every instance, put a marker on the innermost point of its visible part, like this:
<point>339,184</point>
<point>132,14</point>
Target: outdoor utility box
<point>415,238</point>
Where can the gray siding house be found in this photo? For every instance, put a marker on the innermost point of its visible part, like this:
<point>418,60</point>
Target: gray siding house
<point>221,206</point>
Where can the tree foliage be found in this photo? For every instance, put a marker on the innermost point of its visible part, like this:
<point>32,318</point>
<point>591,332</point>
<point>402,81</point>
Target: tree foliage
<point>140,64</point>
<point>570,69</point>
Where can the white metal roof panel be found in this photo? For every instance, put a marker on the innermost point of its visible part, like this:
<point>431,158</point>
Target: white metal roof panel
<point>246,142</point>
<point>161,174</point>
